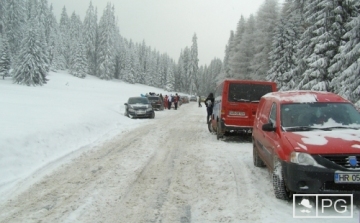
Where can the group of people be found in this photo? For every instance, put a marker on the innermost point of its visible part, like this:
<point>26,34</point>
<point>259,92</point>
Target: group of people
<point>168,100</point>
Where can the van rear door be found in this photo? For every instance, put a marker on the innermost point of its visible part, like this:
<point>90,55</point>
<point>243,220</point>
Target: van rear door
<point>243,100</point>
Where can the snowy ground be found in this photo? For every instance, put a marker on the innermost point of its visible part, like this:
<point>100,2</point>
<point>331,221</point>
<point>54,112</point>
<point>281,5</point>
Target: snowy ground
<point>69,155</point>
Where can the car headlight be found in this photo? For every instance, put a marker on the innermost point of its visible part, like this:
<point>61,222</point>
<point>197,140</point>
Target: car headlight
<point>149,109</point>
<point>303,159</point>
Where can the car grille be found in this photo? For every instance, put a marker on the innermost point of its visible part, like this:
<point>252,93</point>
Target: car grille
<point>346,161</point>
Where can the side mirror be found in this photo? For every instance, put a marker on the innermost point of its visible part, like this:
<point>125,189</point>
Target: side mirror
<point>125,103</point>
<point>268,127</point>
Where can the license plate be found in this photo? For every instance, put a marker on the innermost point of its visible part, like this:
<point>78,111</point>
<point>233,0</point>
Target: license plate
<point>343,177</point>
<point>237,113</point>
<point>140,112</point>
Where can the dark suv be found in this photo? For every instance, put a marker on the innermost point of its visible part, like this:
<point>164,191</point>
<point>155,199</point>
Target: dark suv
<point>156,102</point>
<point>310,142</point>
<point>139,107</point>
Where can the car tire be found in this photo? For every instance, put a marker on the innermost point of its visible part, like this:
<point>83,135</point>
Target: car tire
<point>218,131</point>
<point>126,114</point>
<point>280,190</point>
<point>256,158</point>
<point>152,115</point>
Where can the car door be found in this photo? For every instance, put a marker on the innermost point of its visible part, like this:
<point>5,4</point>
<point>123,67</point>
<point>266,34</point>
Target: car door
<point>271,138</point>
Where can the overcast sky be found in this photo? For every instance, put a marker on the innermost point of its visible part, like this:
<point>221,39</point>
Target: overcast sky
<point>169,25</point>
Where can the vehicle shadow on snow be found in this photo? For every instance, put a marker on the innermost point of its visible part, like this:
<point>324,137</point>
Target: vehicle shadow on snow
<point>237,138</point>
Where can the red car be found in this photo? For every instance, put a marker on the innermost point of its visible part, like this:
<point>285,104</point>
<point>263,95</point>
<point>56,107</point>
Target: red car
<point>309,141</point>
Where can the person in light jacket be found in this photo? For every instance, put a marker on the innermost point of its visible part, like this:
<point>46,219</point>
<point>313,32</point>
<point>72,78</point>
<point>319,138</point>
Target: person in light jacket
<point>169,101</point>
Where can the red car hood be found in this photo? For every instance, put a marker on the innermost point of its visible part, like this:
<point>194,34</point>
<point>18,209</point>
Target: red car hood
<point>345,141</point>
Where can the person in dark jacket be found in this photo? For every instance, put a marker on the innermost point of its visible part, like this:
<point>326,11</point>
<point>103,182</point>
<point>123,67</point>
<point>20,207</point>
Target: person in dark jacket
<point>209,103</point>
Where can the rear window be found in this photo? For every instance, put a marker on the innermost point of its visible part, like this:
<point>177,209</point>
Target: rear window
<point>239,92</point>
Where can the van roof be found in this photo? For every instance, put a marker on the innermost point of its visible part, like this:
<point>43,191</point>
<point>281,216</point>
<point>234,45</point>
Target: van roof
<point>304,96</point>
<point>246,81</point>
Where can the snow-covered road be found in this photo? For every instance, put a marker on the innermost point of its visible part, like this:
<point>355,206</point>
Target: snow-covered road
<point>171,169</point>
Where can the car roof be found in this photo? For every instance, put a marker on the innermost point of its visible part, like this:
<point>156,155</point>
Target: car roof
<point>136,97</point>
<point>304,96</point>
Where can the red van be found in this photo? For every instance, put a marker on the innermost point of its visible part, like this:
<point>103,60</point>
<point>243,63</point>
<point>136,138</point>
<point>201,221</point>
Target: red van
<point>235,105</point>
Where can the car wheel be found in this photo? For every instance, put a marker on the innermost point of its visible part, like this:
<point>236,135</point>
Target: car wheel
<point>153,115</point>
<point>218,132</point>
<point>280,190</point>
<point>256,158</point>
<point>126,113</point>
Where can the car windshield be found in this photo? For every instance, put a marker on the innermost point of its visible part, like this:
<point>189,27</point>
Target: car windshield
<point>242,92</point>
<point>320,115</point>
<point>139,100</point>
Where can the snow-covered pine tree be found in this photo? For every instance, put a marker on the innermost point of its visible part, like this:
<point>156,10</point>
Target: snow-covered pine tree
<point>90,38</point>
<point>64,28</point>
<point>266,19</point>
<point>346,73</point>
<point>75,32</point>
<point>194,63</point>
<point>14,24</point>
<point>30,68</point>
<point>246,51</point>
<point>225,70</point>
<point>170,79</point>
<point>79,64</point>
<point>5,61</point>
<point>234,64</point>
<point>106,48</point>
<point>283,50</point>
<point>326,40</point>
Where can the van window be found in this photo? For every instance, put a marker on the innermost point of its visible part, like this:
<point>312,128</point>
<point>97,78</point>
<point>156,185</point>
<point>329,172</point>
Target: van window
<point>219,90</point>
<point>241,92</point>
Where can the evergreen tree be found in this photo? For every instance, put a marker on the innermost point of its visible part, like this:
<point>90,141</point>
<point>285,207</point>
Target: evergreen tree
<point>225,71</point>
<point>194,64</point>
<point>235,66</point>
<point>64,27</point>
<point>246,51</point>
<point>346,80</point>
<point>90,38</point>
<point>79,64</point>
<point>325,42</point>
<point>266,19</point>
<point>282,56</point>
<point>14,24</point>
<point>30,68</point>
<point>5,62</point>
<point>106,44</point>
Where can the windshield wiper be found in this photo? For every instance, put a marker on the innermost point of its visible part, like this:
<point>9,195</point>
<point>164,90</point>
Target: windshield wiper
<point>300,128</point>
<point>339,127</point>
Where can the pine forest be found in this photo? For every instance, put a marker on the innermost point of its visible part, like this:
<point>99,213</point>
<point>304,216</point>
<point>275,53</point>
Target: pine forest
<point>299,44</point>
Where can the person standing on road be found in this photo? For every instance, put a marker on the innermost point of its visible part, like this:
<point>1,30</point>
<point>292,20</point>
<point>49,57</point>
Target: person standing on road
<point>166,102</point>
<point>200,102</point>
<point>170,101</point>
<point>176,100</point>
<point>209,103</point>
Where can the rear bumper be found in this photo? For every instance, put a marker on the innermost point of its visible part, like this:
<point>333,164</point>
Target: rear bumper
<point>233,127</point>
